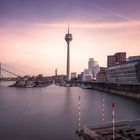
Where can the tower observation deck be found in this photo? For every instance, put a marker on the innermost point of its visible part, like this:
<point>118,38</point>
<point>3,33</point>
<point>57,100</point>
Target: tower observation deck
<point>68,38</point>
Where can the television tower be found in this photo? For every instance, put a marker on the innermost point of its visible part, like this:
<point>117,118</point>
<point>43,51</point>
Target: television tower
<point>0,74</point>
<point>68,38</point>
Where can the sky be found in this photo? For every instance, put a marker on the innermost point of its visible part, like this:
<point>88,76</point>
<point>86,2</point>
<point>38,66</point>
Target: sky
<point>32,33</point>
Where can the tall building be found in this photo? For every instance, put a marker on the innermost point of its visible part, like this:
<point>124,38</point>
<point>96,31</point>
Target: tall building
<point>120,57</point>
<point>91,63</point>
<point>117,58</point>
<point>68,38</point>
<point>93,67</point>
<point>111,60</point>
<point>101,75</point>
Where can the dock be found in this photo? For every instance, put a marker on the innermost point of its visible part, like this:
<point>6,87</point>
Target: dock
<point>126,130</point>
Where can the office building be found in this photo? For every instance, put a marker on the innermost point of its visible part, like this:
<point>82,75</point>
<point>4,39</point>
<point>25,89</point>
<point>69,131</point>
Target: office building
<point>111,60</point>
<point>134,58</point>
<point>101,75</point>
<point>117,58</point>
<point>120,57</point>
<point>80,76</point>
<point>93,67</point>
<point>87,76</point>
<point>127,72</point>
<point>73,75</point>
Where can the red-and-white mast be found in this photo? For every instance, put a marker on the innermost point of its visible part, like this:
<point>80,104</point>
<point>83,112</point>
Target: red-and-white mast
<point>113,120</point>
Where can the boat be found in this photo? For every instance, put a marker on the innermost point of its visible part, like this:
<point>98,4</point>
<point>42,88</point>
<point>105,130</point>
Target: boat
<point>30,83</point>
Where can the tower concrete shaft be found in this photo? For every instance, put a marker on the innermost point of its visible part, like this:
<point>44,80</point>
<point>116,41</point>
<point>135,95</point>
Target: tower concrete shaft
<point>68,38</point>
<point>68,61</point>
<point>0,73</point>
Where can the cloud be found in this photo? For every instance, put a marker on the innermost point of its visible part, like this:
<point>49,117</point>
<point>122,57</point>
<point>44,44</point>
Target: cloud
<point>40,43</point>
<point>94,25</point>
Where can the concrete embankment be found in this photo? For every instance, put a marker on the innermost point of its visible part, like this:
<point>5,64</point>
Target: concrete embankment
<point>127,90</point>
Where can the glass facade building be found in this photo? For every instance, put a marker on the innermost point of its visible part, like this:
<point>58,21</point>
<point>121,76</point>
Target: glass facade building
<point>128,72</point>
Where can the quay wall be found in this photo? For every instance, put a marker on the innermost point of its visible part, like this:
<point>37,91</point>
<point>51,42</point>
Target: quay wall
<point>126,90</point>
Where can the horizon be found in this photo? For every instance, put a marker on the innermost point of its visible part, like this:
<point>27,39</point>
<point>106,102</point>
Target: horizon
<point>32,33</point>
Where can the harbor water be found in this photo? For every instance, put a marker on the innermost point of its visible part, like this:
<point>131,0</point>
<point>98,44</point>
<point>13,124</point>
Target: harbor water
<point>51,113</point>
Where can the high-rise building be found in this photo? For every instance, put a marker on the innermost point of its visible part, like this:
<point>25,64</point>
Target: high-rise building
<point>93,67</point>
<point>120,57</point>
<point>68,38</point>
<point>117,58</point>
<point>101,75</point>
<point>111,60</point>
<point>91,63</point>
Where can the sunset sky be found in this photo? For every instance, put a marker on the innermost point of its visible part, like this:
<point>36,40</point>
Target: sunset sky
<point>32,33</point>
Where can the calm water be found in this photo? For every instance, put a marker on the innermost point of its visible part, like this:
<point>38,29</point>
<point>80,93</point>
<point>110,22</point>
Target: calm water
<point>51,113</point>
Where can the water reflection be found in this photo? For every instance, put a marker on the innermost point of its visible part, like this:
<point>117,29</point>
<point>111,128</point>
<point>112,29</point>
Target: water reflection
<point>52,112</point>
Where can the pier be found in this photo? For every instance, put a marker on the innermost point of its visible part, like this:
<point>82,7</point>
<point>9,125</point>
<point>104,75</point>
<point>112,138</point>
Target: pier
<point>126,130</point>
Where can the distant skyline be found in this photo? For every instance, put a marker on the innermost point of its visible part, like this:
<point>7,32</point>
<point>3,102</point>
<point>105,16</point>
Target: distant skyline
<point>32,33</point>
